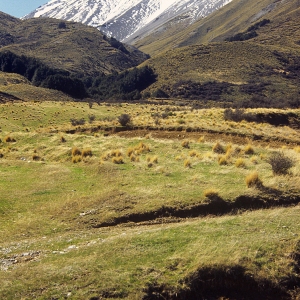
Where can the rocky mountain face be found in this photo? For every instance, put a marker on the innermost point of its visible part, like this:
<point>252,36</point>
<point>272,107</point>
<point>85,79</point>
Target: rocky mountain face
<point>129,19</point>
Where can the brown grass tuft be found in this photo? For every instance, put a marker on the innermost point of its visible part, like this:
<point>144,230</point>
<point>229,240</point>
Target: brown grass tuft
<point>76,159</point>
<point>222,160</point>
<point>187,163</point>
<point>211,193</point>
<point>240,163</point>
<point>185,144</point>
<point>249,150</point>
<point>118,160</point>
<point>87,152</point>
<point>62,139</point>
<point>9,139</point>
<point>218,148</point>
<point>252,180</point>
<point>76,151</point>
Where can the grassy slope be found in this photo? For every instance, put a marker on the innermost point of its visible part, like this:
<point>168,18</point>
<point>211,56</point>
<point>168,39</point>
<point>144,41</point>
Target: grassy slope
<point>78,48</point>
<point>235,17</point>
<point>237,63</point>
<point>20,87</point>
<point>48,207</point>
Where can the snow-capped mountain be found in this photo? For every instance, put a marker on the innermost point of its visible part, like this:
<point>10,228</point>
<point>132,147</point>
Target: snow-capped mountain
<point>122,19</point>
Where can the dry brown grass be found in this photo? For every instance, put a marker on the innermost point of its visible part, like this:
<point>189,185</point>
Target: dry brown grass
<point>253,180</point>
<point>240,163</point>
<point>218,148</point>
<point>87,152</point>
<point>187,163</point>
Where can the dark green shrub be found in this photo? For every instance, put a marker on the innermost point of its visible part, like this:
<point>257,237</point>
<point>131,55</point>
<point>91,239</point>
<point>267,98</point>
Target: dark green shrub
<point>124,119</point>
<point>280,163</point>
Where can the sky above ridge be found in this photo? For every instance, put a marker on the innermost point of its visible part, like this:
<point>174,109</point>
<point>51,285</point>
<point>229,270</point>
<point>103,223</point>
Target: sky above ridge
<point>20,8</point>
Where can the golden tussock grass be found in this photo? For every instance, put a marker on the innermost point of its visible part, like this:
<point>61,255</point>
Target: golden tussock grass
<point>9,139</point>
<point>76,159</point>
<point>218,148</point>
<point>87,152</point>
<point>76,151</point>
<point>253,180</point>
<point>249,150</point>
<point>187,163</point>
<point>211,193</point>
<point>118,160</point>
<point>223,160</point>
<point>185,144</point>
<point>240,163</point>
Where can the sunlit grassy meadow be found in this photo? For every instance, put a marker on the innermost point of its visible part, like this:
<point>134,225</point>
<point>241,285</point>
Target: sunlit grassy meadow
<point>69,196</point>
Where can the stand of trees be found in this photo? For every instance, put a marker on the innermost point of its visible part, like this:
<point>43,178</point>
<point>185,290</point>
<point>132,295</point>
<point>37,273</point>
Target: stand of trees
<point>121,86</point>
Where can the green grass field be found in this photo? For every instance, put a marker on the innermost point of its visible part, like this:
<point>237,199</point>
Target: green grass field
<point>126,217</point>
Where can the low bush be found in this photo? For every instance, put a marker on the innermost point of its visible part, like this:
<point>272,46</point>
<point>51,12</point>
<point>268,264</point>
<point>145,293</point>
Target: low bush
<point>76,122</point>
<point>124,119</point>
<point>280,163</point>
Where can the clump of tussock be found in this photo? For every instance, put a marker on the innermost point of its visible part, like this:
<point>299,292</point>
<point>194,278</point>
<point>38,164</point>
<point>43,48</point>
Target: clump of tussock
<point>116,153</point>
<point>187,163</point>
<point>240,163</point>
<point>218,148</point>
<point>36,157</point>
<point>201,139</point>
<point>152,159</point>
<point>211,194</point>
<point>9,139</point>
<point>223,160</point>
<point>62,139</point>
<point>76,159</point>
<point>75,151</point>
<point>118,160</point>
<point>249,150</point>
<point>87,152</point>
<point>253,180</point>
<point>134,158</point>
<point>185,144</point>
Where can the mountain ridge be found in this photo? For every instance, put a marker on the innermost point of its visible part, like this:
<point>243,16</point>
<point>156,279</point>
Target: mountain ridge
<point>71,46</point>
<point>124,20</point>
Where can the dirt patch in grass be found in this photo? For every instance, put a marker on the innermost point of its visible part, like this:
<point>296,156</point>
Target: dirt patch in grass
<point>216,207</point>
<point>210,135</point>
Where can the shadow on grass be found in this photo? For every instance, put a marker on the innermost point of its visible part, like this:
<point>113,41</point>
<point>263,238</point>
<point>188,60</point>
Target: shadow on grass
<point>219,282</point>
<point>216,206</point>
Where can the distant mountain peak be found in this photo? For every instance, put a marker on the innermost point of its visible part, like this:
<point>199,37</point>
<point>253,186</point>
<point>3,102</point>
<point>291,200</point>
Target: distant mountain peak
<point>122,19</point>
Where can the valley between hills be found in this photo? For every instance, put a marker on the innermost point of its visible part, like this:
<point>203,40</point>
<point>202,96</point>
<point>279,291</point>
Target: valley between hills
<point>164,169</point>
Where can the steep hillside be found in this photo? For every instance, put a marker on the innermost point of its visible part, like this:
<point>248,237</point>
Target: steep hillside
<point>67,45</point>
<point>235,17</point>
<point>236,73</point>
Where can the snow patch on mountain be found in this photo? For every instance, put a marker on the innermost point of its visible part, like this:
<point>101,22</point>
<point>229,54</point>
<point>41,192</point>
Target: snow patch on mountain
<point>122,19</point>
